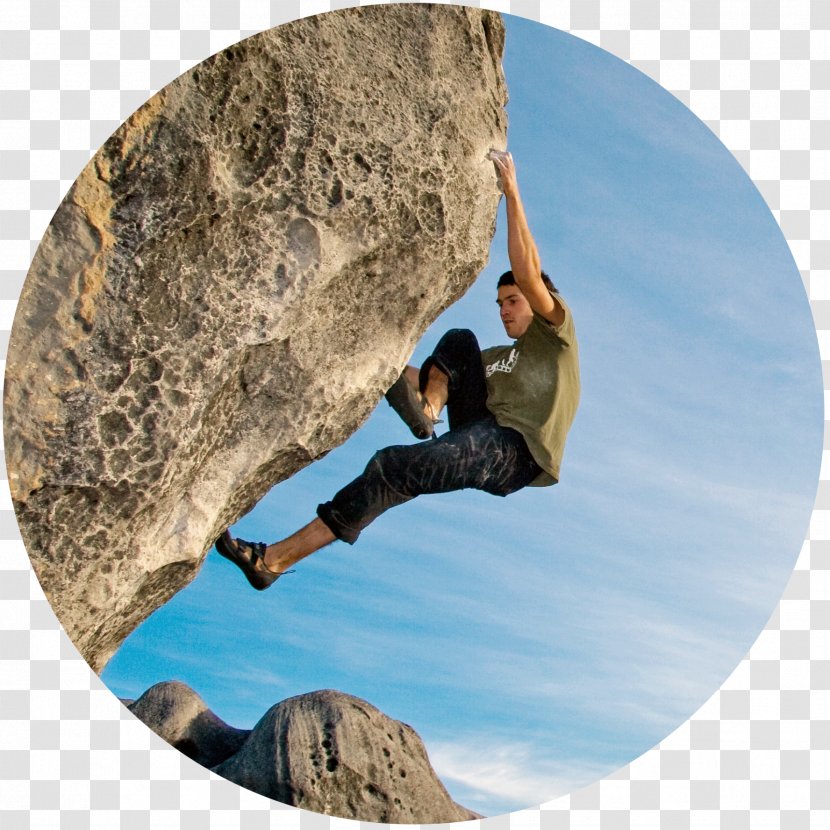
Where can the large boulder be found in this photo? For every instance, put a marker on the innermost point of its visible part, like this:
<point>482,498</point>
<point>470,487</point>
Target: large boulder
<point>336,754</point>
<point>179,716</point>
<point>232,283</point>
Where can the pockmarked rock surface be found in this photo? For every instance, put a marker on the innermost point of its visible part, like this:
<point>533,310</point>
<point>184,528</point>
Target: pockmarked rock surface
<point>325,751</point>
<point>336,754</point>
<point>232,283</point>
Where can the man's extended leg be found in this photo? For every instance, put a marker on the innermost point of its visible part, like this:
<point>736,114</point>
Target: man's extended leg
<point>282,555</point>
<point>263,564</point>
<point>481,455</point>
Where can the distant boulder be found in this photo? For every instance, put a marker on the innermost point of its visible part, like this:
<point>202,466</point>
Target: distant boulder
<point>336,754</point>
<point>179,716</point>
<point>325,751</point>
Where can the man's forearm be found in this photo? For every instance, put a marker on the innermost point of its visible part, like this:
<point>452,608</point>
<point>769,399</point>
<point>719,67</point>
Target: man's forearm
<point>521,247</point>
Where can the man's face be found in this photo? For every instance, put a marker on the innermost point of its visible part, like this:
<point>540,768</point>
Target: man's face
<point>516,312</point>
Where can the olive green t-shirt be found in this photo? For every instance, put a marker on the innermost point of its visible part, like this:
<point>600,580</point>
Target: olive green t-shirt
<point>533,387</point>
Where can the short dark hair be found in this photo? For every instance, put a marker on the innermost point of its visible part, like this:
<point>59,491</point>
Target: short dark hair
<point>507,278</point>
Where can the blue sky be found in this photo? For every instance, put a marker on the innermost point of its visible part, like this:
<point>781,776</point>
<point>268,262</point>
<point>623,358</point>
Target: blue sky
<point>541,641</point>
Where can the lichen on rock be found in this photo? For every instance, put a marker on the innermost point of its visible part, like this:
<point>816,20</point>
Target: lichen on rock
<point>231,284</point>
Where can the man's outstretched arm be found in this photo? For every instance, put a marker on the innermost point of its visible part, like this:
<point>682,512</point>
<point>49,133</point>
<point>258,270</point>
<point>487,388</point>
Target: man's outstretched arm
<point>521,247</point>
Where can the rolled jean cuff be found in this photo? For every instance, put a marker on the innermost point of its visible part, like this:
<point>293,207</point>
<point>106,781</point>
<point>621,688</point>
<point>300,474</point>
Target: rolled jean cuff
<point>341,531</point>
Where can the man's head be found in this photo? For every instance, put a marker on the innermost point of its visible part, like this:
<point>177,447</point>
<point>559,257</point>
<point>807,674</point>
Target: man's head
<point>507,278</point>
<point>515,310</point>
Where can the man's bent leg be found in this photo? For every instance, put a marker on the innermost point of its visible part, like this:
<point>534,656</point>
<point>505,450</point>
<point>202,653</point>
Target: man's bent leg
<point>435,392</point>
<point>481,455</point>
<point>452,375</point>
<point>458,357</point>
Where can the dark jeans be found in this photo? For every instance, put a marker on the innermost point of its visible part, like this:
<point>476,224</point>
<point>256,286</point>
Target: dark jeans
<point>476,452</point>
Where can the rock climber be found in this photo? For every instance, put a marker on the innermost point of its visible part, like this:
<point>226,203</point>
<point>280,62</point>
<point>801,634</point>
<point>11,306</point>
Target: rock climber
<point>509,410</point>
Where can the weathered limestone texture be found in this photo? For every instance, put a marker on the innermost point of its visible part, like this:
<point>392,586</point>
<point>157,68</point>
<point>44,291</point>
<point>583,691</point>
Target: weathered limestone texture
<point>232,283</point>
<point>336,754</point>
<point>179,716</point>
<point>324,751</point>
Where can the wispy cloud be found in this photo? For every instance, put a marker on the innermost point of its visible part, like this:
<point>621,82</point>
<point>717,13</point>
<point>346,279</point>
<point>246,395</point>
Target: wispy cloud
<point>494,777</point>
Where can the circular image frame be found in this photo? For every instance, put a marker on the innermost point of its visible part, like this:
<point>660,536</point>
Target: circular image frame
<point>756,667</point>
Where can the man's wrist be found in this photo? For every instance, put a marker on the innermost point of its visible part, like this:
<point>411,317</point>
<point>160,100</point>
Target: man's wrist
<point>513,196</point>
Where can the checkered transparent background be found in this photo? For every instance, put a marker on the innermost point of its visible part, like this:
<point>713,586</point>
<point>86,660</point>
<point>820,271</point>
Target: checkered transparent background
<point>757,755</point>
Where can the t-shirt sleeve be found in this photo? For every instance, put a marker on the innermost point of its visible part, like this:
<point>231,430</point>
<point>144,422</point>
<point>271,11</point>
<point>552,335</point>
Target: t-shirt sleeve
<point>563,334</point>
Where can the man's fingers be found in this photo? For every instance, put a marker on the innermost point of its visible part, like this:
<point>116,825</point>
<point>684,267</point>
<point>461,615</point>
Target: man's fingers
<point>506,166</point>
